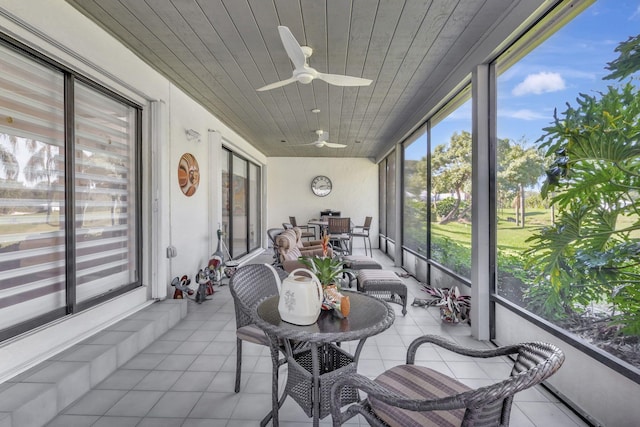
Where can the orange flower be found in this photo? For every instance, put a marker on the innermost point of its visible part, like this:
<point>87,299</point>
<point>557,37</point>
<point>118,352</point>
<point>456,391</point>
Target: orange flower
<point>325,244</point>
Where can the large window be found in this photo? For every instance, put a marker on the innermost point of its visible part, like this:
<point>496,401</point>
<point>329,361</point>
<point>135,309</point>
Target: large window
<point>450,179</point>
<point>416,194</point>
<point>105,189</point>
<point>568,187</point>
<point>57,258</point>
<point>241,189</point>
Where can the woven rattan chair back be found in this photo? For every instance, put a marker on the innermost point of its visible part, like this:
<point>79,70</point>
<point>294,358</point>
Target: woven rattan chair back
<point>535,362</point>
<point>250,284</point>
<point>488,406</point>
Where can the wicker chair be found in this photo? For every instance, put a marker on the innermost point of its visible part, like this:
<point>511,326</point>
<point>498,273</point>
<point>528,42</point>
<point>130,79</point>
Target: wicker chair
<point>249,285</point>
<point>363,231</point>
<point>410,395</point>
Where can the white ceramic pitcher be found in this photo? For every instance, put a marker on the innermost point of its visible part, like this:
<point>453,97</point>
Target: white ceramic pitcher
<point>300,298</point>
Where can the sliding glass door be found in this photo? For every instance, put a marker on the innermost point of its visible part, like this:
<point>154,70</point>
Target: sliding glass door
<point>241,189</point>
<point>69,192</point>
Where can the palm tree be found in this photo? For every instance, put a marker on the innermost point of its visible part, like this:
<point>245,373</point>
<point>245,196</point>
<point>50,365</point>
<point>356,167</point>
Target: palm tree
<point>9,168</point>
<point>41,168</point>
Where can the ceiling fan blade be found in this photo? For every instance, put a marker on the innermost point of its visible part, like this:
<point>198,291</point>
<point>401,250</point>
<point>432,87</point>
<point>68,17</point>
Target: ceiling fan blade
<point>277,84</point>
<point>292,47</point>
<point>334,145</point>
<point>340,80</point>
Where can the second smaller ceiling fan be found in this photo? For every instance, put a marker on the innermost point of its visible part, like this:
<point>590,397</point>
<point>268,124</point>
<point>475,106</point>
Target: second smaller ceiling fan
<point>322,141</point>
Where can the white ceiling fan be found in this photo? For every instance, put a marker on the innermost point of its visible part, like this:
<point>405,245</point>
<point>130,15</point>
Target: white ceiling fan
<point>322,141</point>
<point>302,72</point>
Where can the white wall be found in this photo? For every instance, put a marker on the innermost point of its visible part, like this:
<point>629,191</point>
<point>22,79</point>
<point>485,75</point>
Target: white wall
<point>354,194</point>
<point>60,32</point>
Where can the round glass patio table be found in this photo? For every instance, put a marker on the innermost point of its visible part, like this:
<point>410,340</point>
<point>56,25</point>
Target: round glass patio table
<point>312,369</point>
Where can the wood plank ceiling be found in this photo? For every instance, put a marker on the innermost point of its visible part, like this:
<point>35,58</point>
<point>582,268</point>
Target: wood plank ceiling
<point>220,51</point>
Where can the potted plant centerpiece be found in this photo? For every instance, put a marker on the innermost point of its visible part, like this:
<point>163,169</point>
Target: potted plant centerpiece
<point>454,307</point>
<point>329,271</point>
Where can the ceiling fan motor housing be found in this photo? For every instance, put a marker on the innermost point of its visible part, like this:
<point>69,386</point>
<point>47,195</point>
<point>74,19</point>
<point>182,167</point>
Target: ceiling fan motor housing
<point>305,75</point>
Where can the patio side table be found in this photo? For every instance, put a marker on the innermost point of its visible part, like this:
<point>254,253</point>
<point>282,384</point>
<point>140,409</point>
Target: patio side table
<point>313,369</point>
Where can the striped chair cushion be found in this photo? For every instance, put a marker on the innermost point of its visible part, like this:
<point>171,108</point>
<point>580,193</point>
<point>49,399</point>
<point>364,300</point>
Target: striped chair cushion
<point>417,382</point>
<point>252,334</point>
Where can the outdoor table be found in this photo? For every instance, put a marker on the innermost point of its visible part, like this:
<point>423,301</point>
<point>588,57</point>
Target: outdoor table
<point>313,368</point>
<point>322,226</point>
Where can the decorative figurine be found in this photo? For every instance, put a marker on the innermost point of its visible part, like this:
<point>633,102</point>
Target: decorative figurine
<point>202,279</point>
<point>217,264</point>
<point>182,286</point>
<point>210,276</point>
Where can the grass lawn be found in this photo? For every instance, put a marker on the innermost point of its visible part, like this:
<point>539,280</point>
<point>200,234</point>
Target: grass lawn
<point>510,237</point>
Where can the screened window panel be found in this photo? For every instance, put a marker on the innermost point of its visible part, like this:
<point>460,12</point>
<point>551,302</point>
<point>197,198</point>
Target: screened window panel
<point>105,184</point>
<point>382,186</point>
<point>32,249</point>
<point>415,196</point>
<point>451,167</point>
<point>391,196</point>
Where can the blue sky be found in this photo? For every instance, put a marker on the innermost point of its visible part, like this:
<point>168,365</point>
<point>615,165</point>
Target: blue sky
<point>567,63</point>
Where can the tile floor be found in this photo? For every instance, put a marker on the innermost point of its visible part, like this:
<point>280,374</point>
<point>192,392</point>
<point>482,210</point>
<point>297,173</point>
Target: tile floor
<point>186,377</point>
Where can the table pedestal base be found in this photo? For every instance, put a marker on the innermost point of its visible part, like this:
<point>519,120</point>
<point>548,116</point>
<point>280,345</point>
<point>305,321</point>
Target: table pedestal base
<point>332,363</point>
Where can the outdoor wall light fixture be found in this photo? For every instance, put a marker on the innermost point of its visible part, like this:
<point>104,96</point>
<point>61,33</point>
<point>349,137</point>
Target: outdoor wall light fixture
<point>192,135</point>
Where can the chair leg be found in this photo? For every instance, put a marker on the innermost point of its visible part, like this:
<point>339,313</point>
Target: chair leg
<point>238,363</point>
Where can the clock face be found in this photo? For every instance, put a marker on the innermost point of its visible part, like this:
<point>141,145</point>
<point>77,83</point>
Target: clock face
<point>321,186</point>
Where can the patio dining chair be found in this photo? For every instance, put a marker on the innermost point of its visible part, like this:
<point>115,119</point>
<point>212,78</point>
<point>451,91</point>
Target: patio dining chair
<point>363,231</point>
<point>250,284</point>
<point>412,396</point>
<point>308,232</point>
<point>340,234</point>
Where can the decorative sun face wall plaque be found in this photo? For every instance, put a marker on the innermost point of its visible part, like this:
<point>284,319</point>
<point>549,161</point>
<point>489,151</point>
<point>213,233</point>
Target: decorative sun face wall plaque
<point>188,174</point>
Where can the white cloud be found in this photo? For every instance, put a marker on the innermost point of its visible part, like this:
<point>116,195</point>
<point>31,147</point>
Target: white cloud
<point>523,114</point>
<point>542,82</point>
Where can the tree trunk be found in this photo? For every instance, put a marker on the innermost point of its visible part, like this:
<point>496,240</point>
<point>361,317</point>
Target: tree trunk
<point>522,196</point>
<point>453,214</point>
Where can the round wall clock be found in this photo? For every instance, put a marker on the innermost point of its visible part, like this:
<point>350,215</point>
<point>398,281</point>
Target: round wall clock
<point>321,186</point>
